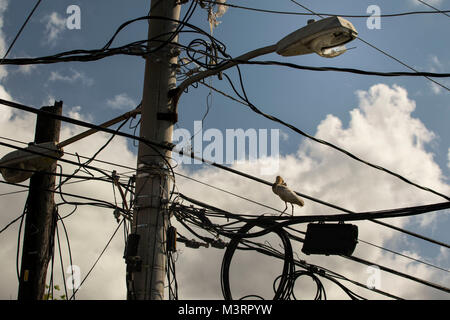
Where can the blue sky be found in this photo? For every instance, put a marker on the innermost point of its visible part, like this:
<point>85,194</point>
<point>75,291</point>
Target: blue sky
<point>419,41</point>
<point>327,104</point>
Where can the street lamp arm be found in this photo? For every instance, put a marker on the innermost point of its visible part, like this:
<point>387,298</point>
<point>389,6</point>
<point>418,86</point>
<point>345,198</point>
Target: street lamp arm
<point>176,93</point>
<point>324,37</point>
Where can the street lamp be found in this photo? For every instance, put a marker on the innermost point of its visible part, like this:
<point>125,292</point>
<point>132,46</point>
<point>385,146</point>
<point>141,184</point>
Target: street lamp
<point>324,37</point>
<point>19,165</point>
<point>27,161</point>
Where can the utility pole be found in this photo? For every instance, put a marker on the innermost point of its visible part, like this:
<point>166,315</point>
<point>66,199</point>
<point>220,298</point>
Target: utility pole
<point>40,219</point>
<point>150,218</point>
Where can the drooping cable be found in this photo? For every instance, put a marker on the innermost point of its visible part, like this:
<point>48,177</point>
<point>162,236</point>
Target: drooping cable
<point>163,146</point>
<point>323,14</point>
<point>436,9</point>
<point>98,259</point>
<point>382,51</point>
<point>269,225</point>
<point>20,31</point>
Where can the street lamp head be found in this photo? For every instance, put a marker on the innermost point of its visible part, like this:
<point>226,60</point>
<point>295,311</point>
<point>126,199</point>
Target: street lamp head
<point>323,37</point>
<point>19,165</point>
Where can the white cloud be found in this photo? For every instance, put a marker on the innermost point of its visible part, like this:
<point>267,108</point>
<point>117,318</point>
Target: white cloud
<point>3,46</point>
<point>27,69</point>
<point>3,4</point>
<point>435,61</point>
<point>5,113</point>
<point>448,164</point>
<point>433,3</point>
<point>435,65</point>
<point>55,24</point>
<point>381,130</point>
<point>121,102</point>
<point>74,77</point>
<point>284,135</point>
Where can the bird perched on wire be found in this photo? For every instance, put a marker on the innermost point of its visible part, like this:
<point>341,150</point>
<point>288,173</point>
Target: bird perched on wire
<point>287,195</point>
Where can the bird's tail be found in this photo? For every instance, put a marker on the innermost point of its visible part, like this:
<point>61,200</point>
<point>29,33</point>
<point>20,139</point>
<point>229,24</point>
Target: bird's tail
<point>300,202</point>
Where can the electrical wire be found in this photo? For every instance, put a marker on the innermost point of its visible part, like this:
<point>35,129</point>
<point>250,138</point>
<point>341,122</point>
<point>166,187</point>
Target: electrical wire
<point>313,269</point>
<point>410,233</point>
<point>287,221</point>
<point>382,51</point>
<point>50,292</point>
<point>61,262</point>
<point>78,164</point>
<point>228,192</point>
<point>405,231</point>
<point>11,223</point>
<point>288,266</point>
<point>24,213</point>
<point>283,290</point>
<point>136,48</point>
<point>95,154</point>
<point>379,247</point>
<point>94,202</point>
<point>48,156</point>
<point>168,147</point>
<point>322,14</point>
<point>60,219</point>
<point>337,148</point>
<point>401,274</point>
<point>244,97</point>
<point>20,31</point>
<point>436,9</point>
<point>268,225</point>
<point>366,242</point>
<point>347,70</point>
<point>98,259</point>
<point>404,256</point>
<point>283,281</point>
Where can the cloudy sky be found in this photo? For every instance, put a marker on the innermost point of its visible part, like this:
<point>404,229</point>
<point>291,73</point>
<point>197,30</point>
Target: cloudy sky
<point>399,123</point>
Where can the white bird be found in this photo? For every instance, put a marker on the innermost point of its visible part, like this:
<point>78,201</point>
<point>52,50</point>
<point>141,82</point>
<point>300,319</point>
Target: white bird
<point>287,195</point>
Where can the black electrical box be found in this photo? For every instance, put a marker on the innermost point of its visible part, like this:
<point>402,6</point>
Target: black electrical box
<point>131,249</point>
<point>171,243</point>
<point>330,239</point>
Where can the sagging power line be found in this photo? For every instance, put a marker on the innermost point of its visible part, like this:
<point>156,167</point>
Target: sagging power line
<point>285,282</point>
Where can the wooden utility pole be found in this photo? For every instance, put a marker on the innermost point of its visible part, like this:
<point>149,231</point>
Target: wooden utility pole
<point>40,219</point>
<point>150,218</point>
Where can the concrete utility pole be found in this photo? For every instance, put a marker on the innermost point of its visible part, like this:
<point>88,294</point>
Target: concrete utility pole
<point>40,220</point>
<point>150,216</point>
